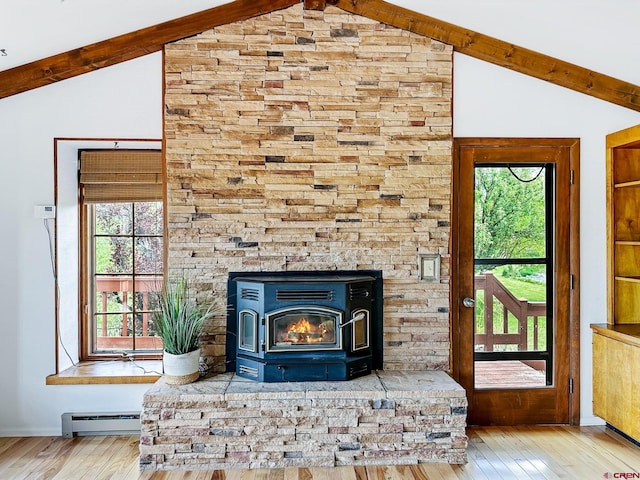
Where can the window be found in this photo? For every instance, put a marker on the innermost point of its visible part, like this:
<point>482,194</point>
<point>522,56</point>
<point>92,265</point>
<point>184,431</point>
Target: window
<point>122,244</point>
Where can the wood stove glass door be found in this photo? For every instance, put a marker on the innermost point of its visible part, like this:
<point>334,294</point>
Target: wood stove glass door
<point>304,328</point>
<point>248,331</point>
<point>360,330</point>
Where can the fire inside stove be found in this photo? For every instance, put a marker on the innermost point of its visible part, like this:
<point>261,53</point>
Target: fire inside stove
<point>305,329</point>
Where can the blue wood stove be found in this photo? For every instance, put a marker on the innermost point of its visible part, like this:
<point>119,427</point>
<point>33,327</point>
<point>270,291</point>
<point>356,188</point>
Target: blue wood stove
<point>286,327</point>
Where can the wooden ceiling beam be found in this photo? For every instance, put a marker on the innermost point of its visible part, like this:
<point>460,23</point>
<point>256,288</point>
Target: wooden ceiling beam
<point>152,39</point>
<point>314,4</point>
<point>129,46</point>
<point>500,53</point>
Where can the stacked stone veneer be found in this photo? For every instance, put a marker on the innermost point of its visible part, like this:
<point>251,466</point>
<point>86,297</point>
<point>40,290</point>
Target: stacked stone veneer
<point>314,140</point>
<point>225,422</point>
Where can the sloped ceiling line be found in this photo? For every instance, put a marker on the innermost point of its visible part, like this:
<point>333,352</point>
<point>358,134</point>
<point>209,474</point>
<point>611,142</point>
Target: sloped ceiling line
<point>152,39</point>
<point>129,46</point>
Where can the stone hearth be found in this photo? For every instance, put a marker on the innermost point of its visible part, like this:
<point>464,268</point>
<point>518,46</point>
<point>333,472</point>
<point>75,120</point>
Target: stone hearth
<point>227,422</point>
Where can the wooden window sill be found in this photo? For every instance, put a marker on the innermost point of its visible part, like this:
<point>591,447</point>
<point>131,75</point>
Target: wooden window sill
<point>108,372</point>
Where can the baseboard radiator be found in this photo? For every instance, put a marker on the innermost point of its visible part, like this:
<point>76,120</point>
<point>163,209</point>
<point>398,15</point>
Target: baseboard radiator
<point>123,423</point>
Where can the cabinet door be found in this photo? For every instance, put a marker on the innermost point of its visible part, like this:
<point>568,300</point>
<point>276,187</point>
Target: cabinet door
<point>616,385</point>
<point>600,368</point>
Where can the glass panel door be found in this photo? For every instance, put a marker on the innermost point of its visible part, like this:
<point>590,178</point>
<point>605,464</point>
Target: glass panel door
<point>513,275</point>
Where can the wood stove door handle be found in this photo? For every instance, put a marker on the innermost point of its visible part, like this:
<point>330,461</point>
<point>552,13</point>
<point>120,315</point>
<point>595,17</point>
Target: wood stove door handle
<point>358,317</point>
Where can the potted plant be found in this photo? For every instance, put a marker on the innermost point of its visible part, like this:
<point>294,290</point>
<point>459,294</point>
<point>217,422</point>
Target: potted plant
<point>179,322</point>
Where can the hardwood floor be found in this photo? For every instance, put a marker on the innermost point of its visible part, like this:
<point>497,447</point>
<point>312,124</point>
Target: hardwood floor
<point>550,452</point>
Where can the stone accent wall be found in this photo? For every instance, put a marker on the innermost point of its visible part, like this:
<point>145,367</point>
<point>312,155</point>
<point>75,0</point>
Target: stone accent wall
<point>314,140</point>
<point>225,422</point>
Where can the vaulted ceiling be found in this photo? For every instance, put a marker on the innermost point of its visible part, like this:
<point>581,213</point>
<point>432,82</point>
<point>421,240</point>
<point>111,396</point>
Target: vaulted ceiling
<point>152,39</point>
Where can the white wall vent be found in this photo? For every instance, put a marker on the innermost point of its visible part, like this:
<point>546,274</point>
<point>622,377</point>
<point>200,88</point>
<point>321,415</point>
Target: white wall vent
<point>125,423</point>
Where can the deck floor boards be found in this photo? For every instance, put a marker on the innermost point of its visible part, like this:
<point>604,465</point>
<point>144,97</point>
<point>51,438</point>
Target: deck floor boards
<point>507,374</point>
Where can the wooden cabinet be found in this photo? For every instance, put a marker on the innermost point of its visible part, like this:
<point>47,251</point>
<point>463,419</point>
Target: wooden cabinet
<point>616,377</point>
<point>616,344</point>
<point>623,226</point>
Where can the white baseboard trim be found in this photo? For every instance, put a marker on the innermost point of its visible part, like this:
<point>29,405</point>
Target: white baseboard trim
<point>590,421</point>
<point>28,432</point>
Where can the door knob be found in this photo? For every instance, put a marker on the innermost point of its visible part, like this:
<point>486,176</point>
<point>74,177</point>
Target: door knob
<point>468,302</point>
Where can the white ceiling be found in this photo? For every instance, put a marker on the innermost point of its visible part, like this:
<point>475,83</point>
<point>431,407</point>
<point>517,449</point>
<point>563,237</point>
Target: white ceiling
<point>35,29</point>
<point>598,35</point>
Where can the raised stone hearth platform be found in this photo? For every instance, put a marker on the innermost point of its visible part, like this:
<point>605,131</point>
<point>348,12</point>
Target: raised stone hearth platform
<point>225,422</point>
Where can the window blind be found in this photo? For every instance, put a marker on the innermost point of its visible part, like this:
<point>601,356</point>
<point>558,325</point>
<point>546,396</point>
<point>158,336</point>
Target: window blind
<point>111,176</point>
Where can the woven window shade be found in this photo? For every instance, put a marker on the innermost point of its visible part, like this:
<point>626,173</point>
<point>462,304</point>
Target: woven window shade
<point>111,176</point>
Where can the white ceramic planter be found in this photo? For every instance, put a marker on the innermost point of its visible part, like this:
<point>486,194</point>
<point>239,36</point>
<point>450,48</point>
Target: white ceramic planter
<point>181,369</point>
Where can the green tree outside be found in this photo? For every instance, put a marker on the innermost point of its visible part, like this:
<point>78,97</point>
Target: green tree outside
<point>509,222</point>
<point>509,213</point>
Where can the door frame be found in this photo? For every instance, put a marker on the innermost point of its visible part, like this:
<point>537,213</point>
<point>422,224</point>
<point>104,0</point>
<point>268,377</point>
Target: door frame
<point>573,149</point>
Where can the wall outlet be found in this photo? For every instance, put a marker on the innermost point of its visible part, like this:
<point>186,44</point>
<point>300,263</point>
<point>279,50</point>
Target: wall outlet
<point>44,211</point>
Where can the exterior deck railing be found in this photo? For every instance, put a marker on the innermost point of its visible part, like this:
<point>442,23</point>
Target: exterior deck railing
<point>520,308</point>
<point>120,337</point>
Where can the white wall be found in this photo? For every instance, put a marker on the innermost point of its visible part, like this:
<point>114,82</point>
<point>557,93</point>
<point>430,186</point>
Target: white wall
<point>124,101</point>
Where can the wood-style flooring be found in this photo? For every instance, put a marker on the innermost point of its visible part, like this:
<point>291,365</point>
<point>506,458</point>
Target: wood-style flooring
<point>549,452</point>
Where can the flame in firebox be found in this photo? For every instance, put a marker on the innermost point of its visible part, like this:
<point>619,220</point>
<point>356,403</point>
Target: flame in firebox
<point>303,326</point>
<point>304,331</point>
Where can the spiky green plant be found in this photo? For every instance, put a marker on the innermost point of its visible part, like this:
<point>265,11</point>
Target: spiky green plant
<point>180,319</point>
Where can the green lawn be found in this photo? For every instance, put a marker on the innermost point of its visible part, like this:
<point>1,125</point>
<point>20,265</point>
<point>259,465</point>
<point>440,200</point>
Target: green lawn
<point>532,291</point>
